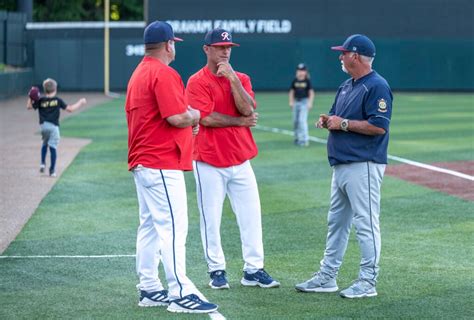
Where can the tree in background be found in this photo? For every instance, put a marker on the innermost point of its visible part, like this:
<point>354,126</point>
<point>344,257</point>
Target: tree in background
<point>85,10</point>
<point>8,5</point>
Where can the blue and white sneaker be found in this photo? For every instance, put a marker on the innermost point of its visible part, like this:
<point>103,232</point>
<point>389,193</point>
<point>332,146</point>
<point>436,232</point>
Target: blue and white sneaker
<point>191,304</point>
<point>218,280</point>
<point>359,289</point>
<point>153,299</point>
<point>260,278</point>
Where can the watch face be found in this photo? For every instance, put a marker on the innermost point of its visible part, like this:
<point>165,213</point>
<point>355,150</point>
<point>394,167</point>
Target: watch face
<point>344,124</point>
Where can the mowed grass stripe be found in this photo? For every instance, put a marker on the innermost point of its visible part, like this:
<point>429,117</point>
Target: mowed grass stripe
<point>426,266</point>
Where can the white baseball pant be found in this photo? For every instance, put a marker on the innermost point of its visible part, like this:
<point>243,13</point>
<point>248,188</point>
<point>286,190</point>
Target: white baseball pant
<point>239,184</point>
<point>163,230</point>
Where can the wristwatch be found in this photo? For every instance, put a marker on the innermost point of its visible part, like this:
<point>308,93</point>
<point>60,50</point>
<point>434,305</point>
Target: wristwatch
<point>345,125</point>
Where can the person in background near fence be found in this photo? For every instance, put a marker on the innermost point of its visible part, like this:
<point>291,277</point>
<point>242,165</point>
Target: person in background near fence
<point>49,107</point>
<point>358,125</point>
<point>301,97</point>
<point>222,153</point>
<point>160,135</point>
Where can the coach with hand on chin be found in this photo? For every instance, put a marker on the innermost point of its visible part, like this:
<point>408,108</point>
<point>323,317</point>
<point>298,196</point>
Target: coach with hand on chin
<point>358,125</point>
<point>222,153</point>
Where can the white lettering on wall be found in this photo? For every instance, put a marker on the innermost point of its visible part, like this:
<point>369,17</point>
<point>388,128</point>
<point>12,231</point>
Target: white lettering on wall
<point>134,50</point>
<point>234,26</point>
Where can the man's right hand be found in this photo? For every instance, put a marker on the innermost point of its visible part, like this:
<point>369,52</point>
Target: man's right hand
<point>249,121</point>
<point>323,121</point>
<point>195,129</point>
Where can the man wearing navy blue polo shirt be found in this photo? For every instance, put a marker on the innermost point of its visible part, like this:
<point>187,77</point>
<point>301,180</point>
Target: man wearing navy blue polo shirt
<point>358,125</point>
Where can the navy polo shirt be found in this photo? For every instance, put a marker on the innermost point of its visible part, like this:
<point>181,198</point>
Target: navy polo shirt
<point>368,98</point>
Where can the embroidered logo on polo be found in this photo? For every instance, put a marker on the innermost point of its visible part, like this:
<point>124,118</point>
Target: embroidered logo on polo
<point>225,36</point>
<point>382,105</point>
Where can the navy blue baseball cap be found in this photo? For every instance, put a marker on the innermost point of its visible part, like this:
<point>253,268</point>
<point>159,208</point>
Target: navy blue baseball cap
<point>301,66</point>
<point>159,31</point>
<point>357,43</point>
<point>219,37</point>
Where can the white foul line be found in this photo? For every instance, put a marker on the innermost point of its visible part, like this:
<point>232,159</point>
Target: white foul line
<point>70,257</point>
<point>216,315</point>
<point>433,168</point>
<point>394,158</point>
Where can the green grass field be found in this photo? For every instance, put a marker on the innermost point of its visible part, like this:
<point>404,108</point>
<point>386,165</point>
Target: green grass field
<point>427,264</point>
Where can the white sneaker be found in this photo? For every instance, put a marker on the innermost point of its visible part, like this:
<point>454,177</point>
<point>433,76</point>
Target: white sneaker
<point>318,283</point>
<point>359,289</point>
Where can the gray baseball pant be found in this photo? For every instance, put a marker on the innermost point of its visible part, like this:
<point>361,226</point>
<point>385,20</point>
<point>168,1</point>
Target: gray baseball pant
<point>355,199</point>
<point>300,121</point>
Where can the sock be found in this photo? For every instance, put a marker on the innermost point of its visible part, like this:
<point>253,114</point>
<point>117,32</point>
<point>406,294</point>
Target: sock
<point>53,159</point>
<point>44,150</point>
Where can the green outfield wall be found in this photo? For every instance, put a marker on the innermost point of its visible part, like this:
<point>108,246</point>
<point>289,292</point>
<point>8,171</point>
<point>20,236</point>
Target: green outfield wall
<point>421,45</point>
<point>15,83</point>
<point>77,64</point>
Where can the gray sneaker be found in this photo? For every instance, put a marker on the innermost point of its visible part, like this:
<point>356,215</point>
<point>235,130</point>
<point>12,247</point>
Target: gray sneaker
<point>318,283</point>
<point>359,289</point>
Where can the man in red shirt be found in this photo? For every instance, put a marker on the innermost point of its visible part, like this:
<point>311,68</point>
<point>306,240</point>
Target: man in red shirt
<point>222,151</point>
<point>160,132</point>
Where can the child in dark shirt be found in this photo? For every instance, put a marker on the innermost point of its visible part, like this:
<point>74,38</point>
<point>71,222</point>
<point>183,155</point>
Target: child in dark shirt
<point>49,106</point>
<point>301,98</point>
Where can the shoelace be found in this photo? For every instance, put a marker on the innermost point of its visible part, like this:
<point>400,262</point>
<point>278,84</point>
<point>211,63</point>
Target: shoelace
<point>264,274</point>
<point>321,276</point>
<point>362,283</point>
<point>194,298</point>
<point>164,294</point>
<point>218,274</point>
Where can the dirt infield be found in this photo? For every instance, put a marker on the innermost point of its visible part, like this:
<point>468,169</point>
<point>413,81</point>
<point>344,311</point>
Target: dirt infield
<point>443,182</point>
<point>22,187</point>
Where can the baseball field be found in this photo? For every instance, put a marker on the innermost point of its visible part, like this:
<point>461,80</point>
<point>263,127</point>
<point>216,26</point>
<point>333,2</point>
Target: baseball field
<point>75,257</point>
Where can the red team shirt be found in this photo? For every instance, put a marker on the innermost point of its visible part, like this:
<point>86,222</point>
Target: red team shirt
<point>220,147</point>
<point>155,91</point>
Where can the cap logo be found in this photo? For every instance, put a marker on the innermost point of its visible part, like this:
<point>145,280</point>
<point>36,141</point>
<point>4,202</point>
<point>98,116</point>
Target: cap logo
<point>354,48</point>
<point>225,36</point>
